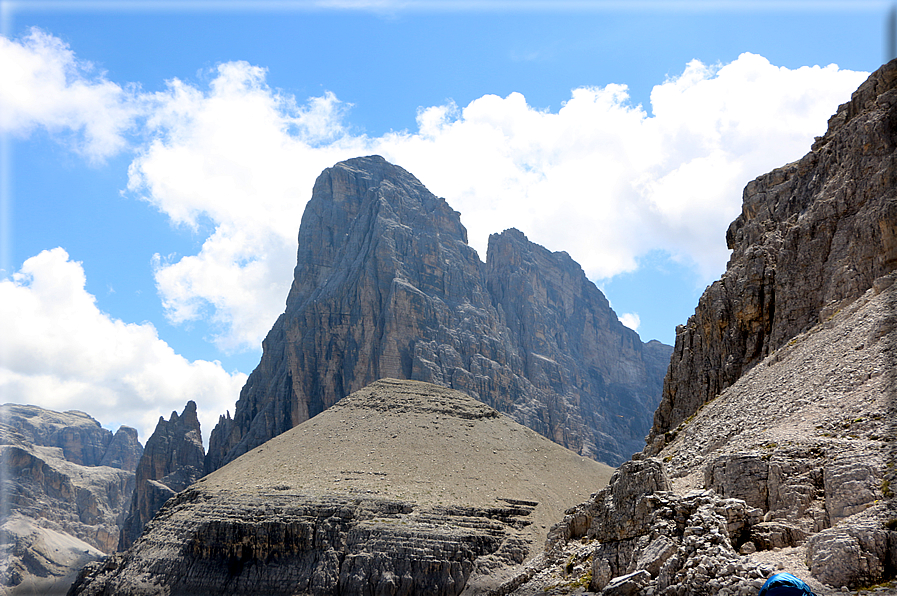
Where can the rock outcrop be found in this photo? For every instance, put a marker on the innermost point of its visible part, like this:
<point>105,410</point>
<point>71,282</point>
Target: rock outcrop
<point>386,287</point>
<point>787,469</point>
<point>401,488</point>
<point>775,440</point>
<point>812,237</point>
<point>173,459</point>
<point>66,483</point>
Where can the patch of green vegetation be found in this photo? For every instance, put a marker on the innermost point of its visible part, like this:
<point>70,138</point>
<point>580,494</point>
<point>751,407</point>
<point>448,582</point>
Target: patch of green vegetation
<point>582,581</point>
<point>891,525</point>
<point>770,445</point>
<point>872,588</point>
<point>886,488</point>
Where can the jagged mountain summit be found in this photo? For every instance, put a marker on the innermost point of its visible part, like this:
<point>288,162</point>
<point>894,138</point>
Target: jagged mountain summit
<point>66,482</point>
<point>173,459</point>
<point>401,488</point>
<point>386,286</point>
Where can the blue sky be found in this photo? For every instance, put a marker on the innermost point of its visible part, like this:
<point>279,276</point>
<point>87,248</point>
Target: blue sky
<point>157,156</point>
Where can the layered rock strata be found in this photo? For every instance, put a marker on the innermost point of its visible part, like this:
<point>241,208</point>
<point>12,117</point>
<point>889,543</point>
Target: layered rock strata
<point>173,459</point>
<point>66,482</point>
<point>401,488</point>
<point>386,287</point>
<point>812,237</point>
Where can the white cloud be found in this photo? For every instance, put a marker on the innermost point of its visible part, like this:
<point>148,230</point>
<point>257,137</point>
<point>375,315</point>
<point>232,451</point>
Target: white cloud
<point>61,352</point>
<point>631,320</point>
<point>600,178</point>
<point>244,158</point>
<point>44,86</point>
<point>607,181</point>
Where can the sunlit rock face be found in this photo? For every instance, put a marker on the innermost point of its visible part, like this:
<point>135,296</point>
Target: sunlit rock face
<point>386,286</point>
<point>774,446</point>
<point>66,483</point>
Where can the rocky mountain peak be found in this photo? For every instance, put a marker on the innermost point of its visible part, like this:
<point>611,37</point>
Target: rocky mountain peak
<point>173,459</point>
<point>65,483</point>
<point>386,286</point>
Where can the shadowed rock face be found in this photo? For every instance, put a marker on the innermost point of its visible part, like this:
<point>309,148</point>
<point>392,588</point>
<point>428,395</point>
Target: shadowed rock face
<point>401,488</point>
<point>386,287</point>
<point>172,461</point>
<point>812,236</point>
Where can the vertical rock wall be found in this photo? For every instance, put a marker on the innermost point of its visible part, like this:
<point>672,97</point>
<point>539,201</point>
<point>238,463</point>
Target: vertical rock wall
<point>812,236</point>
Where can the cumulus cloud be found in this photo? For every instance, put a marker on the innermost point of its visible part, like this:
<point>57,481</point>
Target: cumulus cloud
<point>608,181</point>
<point>241,157</point>
<point>600,178</point>
<point>61,352</point>
<point>631,320</point>
<point>45,86</point>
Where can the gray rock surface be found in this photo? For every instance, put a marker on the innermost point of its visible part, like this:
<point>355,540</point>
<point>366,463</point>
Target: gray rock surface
<point>173,459</point>
<point>401,488</point>
<point>66,482</point>
<point>638,537</point>
<point>776,432</point>
<point>386,286</point>
<point>812,237</point>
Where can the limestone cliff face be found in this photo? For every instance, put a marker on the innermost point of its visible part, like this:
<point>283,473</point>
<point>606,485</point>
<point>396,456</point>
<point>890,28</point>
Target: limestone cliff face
<point>172,461</point>
<point>82,439</point>
<point>66,483</point>
<point>812,236</point>
<point>386,287</point>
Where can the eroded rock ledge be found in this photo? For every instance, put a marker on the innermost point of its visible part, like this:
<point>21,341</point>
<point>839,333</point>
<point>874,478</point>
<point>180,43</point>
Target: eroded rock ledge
<point>283,542</point>
<point>402,487</point>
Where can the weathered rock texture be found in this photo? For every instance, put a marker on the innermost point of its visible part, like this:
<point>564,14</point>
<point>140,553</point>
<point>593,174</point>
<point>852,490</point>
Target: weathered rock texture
<point>66,482</point>
<point>775,439</point>
<point>401,488</point>
<point>812,236</point>
<point>173,459</point>
<point>787,469</point>
<point>387,287</point>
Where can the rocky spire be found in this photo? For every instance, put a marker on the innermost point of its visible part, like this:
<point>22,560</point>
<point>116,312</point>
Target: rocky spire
<point>172,461</point>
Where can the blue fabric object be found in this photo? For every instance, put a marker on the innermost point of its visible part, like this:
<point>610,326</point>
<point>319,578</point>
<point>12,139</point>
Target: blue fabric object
<point>785,584</point>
